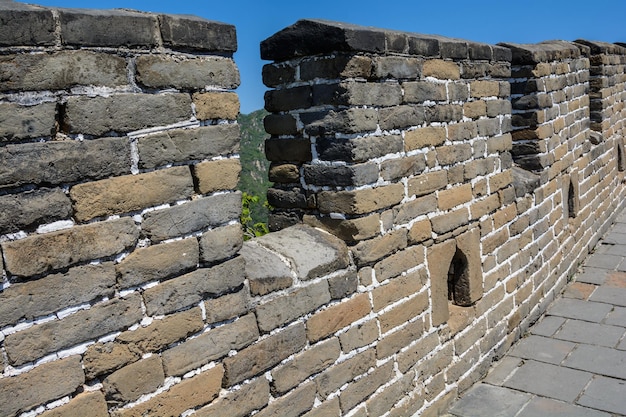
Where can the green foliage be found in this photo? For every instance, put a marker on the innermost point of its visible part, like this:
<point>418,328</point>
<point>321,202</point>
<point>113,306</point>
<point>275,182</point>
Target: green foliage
<point>250,227</point>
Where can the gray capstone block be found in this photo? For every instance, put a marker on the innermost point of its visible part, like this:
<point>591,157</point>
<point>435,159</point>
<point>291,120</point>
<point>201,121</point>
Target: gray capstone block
<point>24,25</point>
<point>191,32</point>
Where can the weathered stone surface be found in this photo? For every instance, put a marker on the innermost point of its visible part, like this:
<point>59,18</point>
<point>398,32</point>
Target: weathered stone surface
<point>525,182</point>
<point>292,150</point>
<point>393,169</point>
<point>40,340</point>
<point>302,366</point>
<point>336,317</point>
<point>263,355</point>
<point>24,122</point>
<point>450,221</point>
<point>190,393</point>
<point>227,306</point>
<point>294,404</point>
<point>424,137</point>
<point>63,161</point>
<point>192,32</point>
<point>343,285</point>
<point>240,403</point>
<point>358,336</point>
<point>26,301</point>
<point>358,391</point>
<point>48,71</point>
<point>439,259</point>
<point>265,270</point>
<point>93,28</point>
<point>42,384</point>
<point>193,287</point>
<point>162,71</point>
<point>284,173</point>
<point>349,230</point>
<point>443,70</point>
<point>336,376</point>
<point>398,263</point>
<point>85,404</point>
<point>341,175</point>
<point>132,381</point>
<point>221,243</point>
<point>284,309</point>
<point>21,24</point>
<point>403,313</point>
<point>327,123</point>
<point>102,358</point>
<point>158,262</point>
<point>30,209</point>
<point>312,252</point>
<point>398,289</point>
<point>374,249</point>
<point>428,183</point>
<point>360,201</point>
<point>216,105</point>
<point>358,149</point>
<point>211,345</point>
<point>410,210</point>
<point>41,253</point>
<point>192,216</point>
<point>180,145</point>
<point>125,112</point>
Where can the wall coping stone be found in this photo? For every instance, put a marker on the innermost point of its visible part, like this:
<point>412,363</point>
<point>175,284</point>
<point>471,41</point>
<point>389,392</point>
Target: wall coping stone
<point>315,36</point>
<point>542,52</point>
<point>25,25</point>
<point>598,47</point>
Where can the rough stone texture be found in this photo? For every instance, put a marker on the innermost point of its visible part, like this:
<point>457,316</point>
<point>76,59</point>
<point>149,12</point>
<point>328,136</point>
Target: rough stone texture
<point>26,25</point>
<point>192,32</point>
<point>132,381</point>
<point>26,301</point>
<point>158,71</point>
<point>89,403</point>
<point>360,201</point>
<point>221,243</point>
<point>37,341</point>
<point>179,145</point>
<point>216,105</point>
<point>439,259</point>
<point>30,209</point>
<point>293,404</point>
<point>41,253</point>
<point>125,112</point>
<point>158,262</point>
<point>336,376</point>
<point>191,217</point>
<point>24,122</point>
<point>44,383</point>
<point>336,317</point>
<point>102,358</point>
<point>265,270</point>
<point>240,403</point>
<point>227,306</point>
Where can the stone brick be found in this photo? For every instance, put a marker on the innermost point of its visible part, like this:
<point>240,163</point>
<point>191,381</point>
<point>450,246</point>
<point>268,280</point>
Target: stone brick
<point>396,67</point>
<point>85,404</point>
<point>397,289</point>
<point>190,393</point>
<point>284,173</point>
<point>240,403</point>
<point>294,404</point>
<point>360,201</point>
<point>343,285</point>
<point>419,350</point>
<point>421,91</point>
<point>318,358</point>
<point>358,391</point>
<point>475,109</point>
<point>102,319</point>
<point>270,273</point>
<point>398,263</point>
<point>450,221</point>
<point>61,162</point>
<point>359,149</point>
<point>102,358</point>
<point>284,309</point>
<point>130,193</point>
<point>292,150</point>
<point>327,409</point>
<point>163,71</point>
<point>483,207</point>
<point>383,401</point>
<point>276,74</point>
<point>210,345</point>
<point>419,232</point>
<point>468,243</point>
<point>135,380</point>
<point>424,137</point>
<point>453,154</point>
<point>349,230</point>
<point>374,249</point>
<point>227,306</point>
<point>24,122</point>
<point>336,376</point>
<point>26,25</point>
<point>404,312</point>
<point>336,66</point>
<point>180,145</point>
<point>455,196</point>
<point>212,176</point>
<point>336,317</point>
<point>220,243</point>
<point>439,259</point>
<point>158,262</point>
<point>400,117</point>
<point>40,385</point>
<point>55,292</point>
<point>359,336</point>
<point>50,251</point>
<point>48,71</point>
<point>444,70</point>
<point>352,120</point>
<point>33,208</point>
<point>125,112</point>
<point>393,169</point>
<point>190,289</point>
<point>483,88</point>
<point>428,183</point>
<point>191,32</point>
<point>263,355</point>
<point>191,217</point>
<point>163,332</point>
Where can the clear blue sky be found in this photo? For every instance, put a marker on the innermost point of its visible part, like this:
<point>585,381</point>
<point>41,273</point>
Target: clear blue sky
<point>490,21</point>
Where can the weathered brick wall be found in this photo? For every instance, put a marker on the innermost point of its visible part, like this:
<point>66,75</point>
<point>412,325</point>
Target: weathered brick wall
<point>118,215</point>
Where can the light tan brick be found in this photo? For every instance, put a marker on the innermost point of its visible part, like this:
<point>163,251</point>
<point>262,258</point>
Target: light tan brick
<point>374,249</point>
<point>439,259</point>
<point>358,336</point>
<point>450,221</point>
<point>428,183</point>
<point>135,380</point>
<point>398,263</point>
<point>212,176</point>
<point>240,403</point>
<point>328,321</point>
<point>102,358</point>
<point>360,201</point>
<point>398,340</point>
<point>337,375</point>
<point>454,196</point>
<point>403,312</point>
<point>294,404</point>
<point>475,109</point>
<point>424,137</point>
<point>420,231</point>
<point>358,391</point>
<point>216,105</point>
<point>326,409</point>
<point>444,70</point>
<point>90,404</point>
<point>397,289</point>
<point>350,230</point>
<point>482,88</point>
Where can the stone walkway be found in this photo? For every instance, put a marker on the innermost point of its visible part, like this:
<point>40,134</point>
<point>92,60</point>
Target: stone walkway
<point>573,361</point>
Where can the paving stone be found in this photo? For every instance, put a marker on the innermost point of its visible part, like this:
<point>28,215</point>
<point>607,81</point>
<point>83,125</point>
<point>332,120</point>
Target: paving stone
<point>542,349</point>
<point>591,275</point>
<point>504,368</point>
<point>599,260</point>
<point>617,317</point>
<point>590,333</point>
<point>610,249</point>
<point>487,400</point>
<point>605,394</point>
<point>549,380</point>
<point>542,407</point>
<point>579,309</point>
<point>547,326</point>
<point>599,360</point>
<point>579,290</point>
<point>610,295</point>
<point>615,239</point>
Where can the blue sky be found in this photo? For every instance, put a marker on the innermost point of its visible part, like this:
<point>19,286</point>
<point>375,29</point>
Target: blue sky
<point>490,21</point>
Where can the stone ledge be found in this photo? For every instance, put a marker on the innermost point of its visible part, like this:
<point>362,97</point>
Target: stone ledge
<point>303,39</point>
<point>542,52</point>
<point>598,47</point>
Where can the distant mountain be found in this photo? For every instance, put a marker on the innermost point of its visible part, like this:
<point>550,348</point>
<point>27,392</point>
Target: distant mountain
<point>254,166</point>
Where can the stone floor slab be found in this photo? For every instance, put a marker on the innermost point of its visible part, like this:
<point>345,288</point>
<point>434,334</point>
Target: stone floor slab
<point>605,394</point>
<point>578,309</point>
<point>549,381</point>
<point>613,238</point>
<point>547,326</point>
<point>599,360</point>
<point>591,275</point>
<point>610,295</point>
<point>617,317</point>
<point>603,261</point>
<point>502,370</point>
<point>590,333</point>
<point>487,400</point>
<point>609,249</point>
<point>542,349</point>
<point>547,407</point>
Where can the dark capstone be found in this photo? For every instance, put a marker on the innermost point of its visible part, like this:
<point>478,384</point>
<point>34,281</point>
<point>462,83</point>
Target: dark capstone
<point>25,25</point>
<point>288,99</point>
<point>191,32</point>
<point>525,102</point>
<point>480,51</point>
<point>525,148</point>
<point>524,182</point>
<point>295,150</point>
<point>280,124</point>
<point>275,75</point>
<point>423,46</point>
<point>453,49</point>
<point>343,285</point>
<point>342,175</point>
<point>281,220</point>
<point>289,198</point>
<point>332,94</point>
<point>541,52</point>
